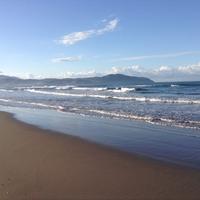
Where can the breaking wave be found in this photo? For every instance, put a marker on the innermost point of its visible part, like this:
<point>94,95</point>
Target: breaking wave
<point>32,104</point>
<point>125,98</point>
<point>119,115</point>
<point>150,119</point>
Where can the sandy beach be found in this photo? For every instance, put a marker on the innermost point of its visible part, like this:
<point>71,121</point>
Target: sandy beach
<point>41,164</point>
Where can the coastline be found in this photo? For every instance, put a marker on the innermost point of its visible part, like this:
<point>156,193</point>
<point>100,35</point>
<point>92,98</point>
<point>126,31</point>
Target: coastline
<point>38,164</point>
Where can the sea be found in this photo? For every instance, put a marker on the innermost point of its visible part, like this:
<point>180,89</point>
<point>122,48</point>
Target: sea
<point>159,121</point>
<point>175,104</point>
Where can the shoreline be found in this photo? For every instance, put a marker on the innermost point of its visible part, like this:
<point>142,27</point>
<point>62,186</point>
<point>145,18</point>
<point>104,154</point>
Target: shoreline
<point>43,164</point>
<point>100,145</point>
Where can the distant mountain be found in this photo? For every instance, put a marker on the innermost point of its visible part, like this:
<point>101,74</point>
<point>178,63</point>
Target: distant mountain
<point>111,80</point>
<point>126,80</point>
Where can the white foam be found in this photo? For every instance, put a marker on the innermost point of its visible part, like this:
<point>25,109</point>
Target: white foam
<point>65,94</point>
<point>126,98</point>
<point>159,100</point>
<point>4,90</point>
<point>5,100</point>
<point>152,120</point>
<point>33,103</point>
<point>122,90</point>
<point>54,93</point>
<point>65,87</point>
<point>90,88</point>
<point>144,85</point>
<point>121,115</point>
<point>174,85</point>
<point>38,87</point>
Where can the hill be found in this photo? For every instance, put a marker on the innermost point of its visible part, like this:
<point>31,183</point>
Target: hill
<point>115,80</point>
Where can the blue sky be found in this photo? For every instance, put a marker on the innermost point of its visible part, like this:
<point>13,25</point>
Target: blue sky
<point>70,38</point>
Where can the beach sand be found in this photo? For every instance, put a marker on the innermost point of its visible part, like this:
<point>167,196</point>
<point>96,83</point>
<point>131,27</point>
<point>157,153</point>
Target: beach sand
<point>40,164</point>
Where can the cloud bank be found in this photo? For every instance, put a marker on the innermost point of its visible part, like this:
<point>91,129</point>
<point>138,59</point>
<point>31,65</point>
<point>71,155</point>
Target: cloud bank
<point>76,37</point>
<point>82,74</point>
<point>162,73</point>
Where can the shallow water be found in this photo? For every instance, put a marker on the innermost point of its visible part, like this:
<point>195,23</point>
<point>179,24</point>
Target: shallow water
<point>171,144</point>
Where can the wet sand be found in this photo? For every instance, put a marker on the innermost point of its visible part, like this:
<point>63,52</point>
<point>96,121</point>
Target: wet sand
<point>41,164</point>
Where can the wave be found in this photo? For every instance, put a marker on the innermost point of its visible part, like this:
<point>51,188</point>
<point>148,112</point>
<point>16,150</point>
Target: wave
<point>149,119</point>
<point>178,84</point>
<point>140,99</point>
<point>5,90</point>
<point>54,93</point>
<point>71,87</point>
<point>115,89</point>
<point>5,100</point>
<point>137,88</point>
<point>144,85</point>
<point>33,104</point>
<point>171,101</point>
<point>122,90</point>
<point>174,85</point>
<point>36,87</point>
<point>154,100</point>
<point>78,95</point>
<point>90,88</point>
<point>62,87</point>
<point>65,87</point>
<point>120,115</point>
<point>112,114</point>
<point>67,94</point>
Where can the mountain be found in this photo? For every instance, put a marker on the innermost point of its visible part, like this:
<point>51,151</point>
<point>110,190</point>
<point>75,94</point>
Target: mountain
<point>111,80</point>
<point>126,80</point>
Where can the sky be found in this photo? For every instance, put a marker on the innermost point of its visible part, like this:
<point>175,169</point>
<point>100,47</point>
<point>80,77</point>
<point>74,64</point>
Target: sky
<point>158,39</point>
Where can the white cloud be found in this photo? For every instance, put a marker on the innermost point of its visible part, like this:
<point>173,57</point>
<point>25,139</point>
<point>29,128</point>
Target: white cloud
<point>75,37</point>
<point>162,69</point>
<point>110,26</point>
<point>162,73</point>
<point>24,75</point>
<point>67,59</point>
<point>126,70</point>
<point>170,55</point>
<point>82,74</point>
<point>191,69</point>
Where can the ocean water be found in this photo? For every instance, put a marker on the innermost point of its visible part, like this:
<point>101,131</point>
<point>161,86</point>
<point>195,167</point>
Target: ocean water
<point>167,104</point>
<point>170,144</point>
